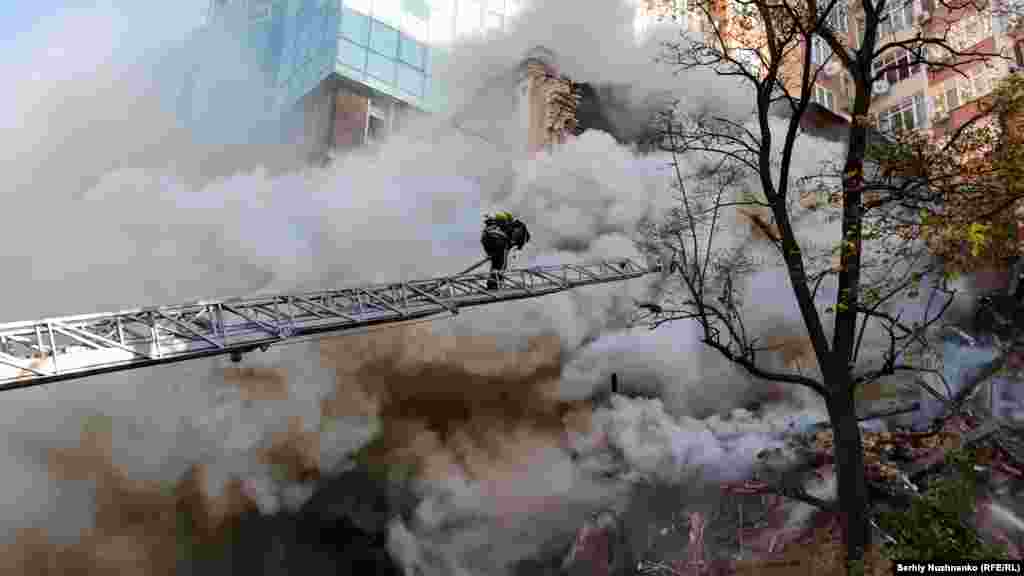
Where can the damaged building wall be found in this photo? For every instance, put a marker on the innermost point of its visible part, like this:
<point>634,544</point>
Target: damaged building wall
<point>549,100</point>
<point>556,107</point>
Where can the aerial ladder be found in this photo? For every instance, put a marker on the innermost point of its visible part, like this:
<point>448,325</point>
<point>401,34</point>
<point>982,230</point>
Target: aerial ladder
<point>39,352</point>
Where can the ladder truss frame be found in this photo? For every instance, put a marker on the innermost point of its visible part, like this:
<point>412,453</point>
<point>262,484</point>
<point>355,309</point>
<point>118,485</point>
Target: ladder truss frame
<point>165,334</point>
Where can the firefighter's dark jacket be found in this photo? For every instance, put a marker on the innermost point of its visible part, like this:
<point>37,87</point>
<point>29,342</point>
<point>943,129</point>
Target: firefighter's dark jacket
<point>515,231</point>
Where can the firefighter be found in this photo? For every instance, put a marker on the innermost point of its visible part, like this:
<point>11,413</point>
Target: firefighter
<point>502,232</point>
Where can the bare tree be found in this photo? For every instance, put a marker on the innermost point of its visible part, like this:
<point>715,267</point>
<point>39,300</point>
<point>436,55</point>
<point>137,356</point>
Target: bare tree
<point>765,44</point>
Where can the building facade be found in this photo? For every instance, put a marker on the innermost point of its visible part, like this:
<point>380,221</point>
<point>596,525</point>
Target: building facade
<point>913,96</point>
<point>339,74</point>
<point>345,73</point>
<point>916,96</point>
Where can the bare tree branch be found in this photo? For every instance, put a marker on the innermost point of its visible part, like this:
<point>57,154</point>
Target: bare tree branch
<point>752,368</point>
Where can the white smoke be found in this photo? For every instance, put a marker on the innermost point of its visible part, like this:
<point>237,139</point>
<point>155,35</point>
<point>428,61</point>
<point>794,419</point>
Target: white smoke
<point>604,51</point>
<point>657,446</point>
<point>108,215</point>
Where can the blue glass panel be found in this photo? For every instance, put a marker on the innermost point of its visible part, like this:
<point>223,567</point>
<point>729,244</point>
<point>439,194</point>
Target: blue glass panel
<point>355,26</point>
<point>287,61</point>
<point>333,23</point>
<point>410,80</point>
<point>380,67</point>
<point>428,57</point>
<point>299,31</point>
<point>411,52</point>
<point>313,31</point>
<point>351,55</point>
<point>351,72</point>
<point>384,39</point>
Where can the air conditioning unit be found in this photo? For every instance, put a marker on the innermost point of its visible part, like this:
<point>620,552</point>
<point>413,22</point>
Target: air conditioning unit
<point>833,68</point>
<point>880,87</point>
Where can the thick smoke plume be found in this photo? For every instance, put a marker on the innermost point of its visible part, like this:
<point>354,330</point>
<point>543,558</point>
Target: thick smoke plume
<point>487,417</point>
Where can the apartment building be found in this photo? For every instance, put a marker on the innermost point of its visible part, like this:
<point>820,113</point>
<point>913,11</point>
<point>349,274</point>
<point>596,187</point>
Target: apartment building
<point>916,96</point>
<point>910,96</point>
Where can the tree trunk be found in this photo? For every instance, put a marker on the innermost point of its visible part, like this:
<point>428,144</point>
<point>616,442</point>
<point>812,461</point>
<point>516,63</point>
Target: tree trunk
<point>849,457</point>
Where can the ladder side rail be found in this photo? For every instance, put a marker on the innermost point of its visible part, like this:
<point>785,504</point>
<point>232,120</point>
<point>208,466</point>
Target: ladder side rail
<point>200,329</point>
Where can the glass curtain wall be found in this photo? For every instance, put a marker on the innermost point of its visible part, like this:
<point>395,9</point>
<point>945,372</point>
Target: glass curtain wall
<point>391,46</point>
<point>394,45</point>
<point>309,47</point>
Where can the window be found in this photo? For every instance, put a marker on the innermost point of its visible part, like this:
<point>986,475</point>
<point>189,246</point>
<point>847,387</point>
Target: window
<point>838,19</point>
<point>948,99</point>
<point>909,114</point>
<point>384,39</point>
<point>376,129</point>
<point>967,32</point>
<point>820,51</point>
<point>378,120</point>
<point>351,55</point>
<point>899,16</point>
<point>355,26</point>
<point>896,64</point>
<point>966,89</point>
<point>410,80</point>
<point>412,52</point>
<point>380,67</point>
<point>825,97</point>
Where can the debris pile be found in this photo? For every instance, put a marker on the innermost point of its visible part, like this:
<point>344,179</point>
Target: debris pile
<point>782,515</point>
<point>599,549</point>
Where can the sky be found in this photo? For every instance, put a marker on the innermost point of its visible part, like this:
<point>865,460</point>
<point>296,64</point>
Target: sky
<point>18,16</point>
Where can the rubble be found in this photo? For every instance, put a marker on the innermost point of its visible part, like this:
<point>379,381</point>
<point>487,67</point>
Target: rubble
<point>896,462</point>
<point>599,548</point>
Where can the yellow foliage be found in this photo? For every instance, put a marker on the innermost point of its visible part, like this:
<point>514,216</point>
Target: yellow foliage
<point>980,181</point>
